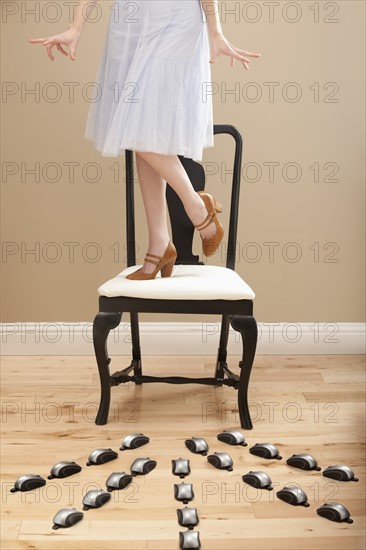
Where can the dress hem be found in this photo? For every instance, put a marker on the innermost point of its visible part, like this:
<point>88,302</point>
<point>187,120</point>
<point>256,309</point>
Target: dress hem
<point>151,150</point>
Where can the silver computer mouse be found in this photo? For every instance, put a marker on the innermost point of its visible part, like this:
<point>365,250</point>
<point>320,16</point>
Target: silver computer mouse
<point>183,492</point>
<point>341,472</point>
<point>197,445</point>
<point>265,450</point>
<point>188,517</point>
<point>232,437</point>
<point>259,480</point>
<point>181,467</point>
<point>142,466</point>
<point>189,539</point>
<point>294,496</point>
<point>64,469</point>
<point>118,480</point>
<point>101,456</point>
<point>28,482</point>
<point>222,461</point>
<point>303,462</point>
<point>335,512</point>
<point>95,498</point>
<point>133,441</point>
<point>67,517</point>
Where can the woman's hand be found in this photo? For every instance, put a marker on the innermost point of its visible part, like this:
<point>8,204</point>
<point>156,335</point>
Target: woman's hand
<point>68,38</point>
<point>221,46</point>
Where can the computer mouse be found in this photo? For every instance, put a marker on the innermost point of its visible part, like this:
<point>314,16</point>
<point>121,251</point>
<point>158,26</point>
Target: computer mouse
<point>95,498</point>
<point>232,437</point>
<point>335,512</point>
<point>221,461</point>
<point>28,482</point>
<point>183,492</point>
<point>294,496</point>
<point>67,517</point>
<point>188,517</point>
<point>189,539</point>
<point>142,466</point>
<point>101,456</point>
<point>64,469</point>
<point>197,445</point>
<point>341,472</point>
<point>118,480</point>
<point>181,467</point>
<point>265,450</point>
<point>133,441</point>
<point>304,462</point>
<point>259,480</point>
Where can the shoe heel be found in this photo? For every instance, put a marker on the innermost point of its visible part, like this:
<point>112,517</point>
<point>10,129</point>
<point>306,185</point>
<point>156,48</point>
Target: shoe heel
<point>218,205</point>
<point>167,269</point>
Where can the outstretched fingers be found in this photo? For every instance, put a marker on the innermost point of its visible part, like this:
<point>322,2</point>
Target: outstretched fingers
<point>38,39</point>
<point>244,52</point>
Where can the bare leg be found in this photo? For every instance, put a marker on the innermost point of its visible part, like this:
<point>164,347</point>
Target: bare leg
<point>153,188</point>
<point>154,170</point>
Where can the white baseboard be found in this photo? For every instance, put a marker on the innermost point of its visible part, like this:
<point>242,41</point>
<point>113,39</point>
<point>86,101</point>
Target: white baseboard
<point>41,338</point>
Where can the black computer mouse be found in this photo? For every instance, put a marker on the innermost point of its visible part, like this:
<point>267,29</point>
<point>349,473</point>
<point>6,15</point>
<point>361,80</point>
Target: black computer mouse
<point>183,492</point>
<point>189,539</point>
<point>232,437</point>
<point>188,517</point>
<point>118,480</point>
<point>304,462</point>
<point>133,441</point>
<point>101,456</point>
<point>64,469</point>
<point>265,450</point>
<point>67,517</point>
<point>28,482</point>
<point>335,512</point>
<point>197,445</point>
<point>294,496</point>
<point>259,480</point>
<point>341,472</point>
<point>142,466</point>
<point>221,461</point>
<point>95,498</point>
<point>181,467</point>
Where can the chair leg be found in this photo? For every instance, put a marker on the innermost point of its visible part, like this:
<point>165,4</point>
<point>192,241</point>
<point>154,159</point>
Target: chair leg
<point>247,327</point>
<point>136,350</point>
<point>222,351</point>
<point>104,322</point>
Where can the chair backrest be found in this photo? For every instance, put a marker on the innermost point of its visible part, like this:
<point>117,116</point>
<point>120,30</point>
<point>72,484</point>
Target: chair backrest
<point>182,227</point>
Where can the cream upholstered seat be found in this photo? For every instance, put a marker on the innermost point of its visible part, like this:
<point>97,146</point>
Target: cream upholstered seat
<point>192,288</point>
<point>187,282</point>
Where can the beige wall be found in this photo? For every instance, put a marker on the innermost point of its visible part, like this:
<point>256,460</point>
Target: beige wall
<point>324,218</point>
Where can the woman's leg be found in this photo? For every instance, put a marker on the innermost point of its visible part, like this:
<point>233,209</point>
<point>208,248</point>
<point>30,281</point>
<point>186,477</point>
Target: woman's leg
<point>154,170</point>
<point>153,189</point>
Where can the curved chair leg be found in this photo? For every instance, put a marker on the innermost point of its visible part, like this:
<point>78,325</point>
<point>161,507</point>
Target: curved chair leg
<point>247,327</point>
<point>104,322</point>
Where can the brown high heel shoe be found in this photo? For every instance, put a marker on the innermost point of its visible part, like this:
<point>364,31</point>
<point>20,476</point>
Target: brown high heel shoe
<point>164,263</point>
<point>210,246</point>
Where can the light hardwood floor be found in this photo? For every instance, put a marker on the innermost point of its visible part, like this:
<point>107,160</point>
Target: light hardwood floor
<point>302,403</point>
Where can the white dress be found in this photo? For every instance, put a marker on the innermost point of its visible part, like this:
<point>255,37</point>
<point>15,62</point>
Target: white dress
<point>153,87</point>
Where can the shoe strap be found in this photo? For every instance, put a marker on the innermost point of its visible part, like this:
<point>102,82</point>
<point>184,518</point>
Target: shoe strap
<point>153,255</point>
<point>152,261</point>
<point>206,221</point>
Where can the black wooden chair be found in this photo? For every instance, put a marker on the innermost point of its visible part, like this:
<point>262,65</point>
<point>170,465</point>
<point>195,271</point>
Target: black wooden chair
<point>220,289</point>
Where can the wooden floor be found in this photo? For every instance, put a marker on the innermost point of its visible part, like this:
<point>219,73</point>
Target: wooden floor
<point>302,403</point>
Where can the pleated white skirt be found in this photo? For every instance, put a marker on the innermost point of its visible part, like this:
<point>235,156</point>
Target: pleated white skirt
<point>152,90</point>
